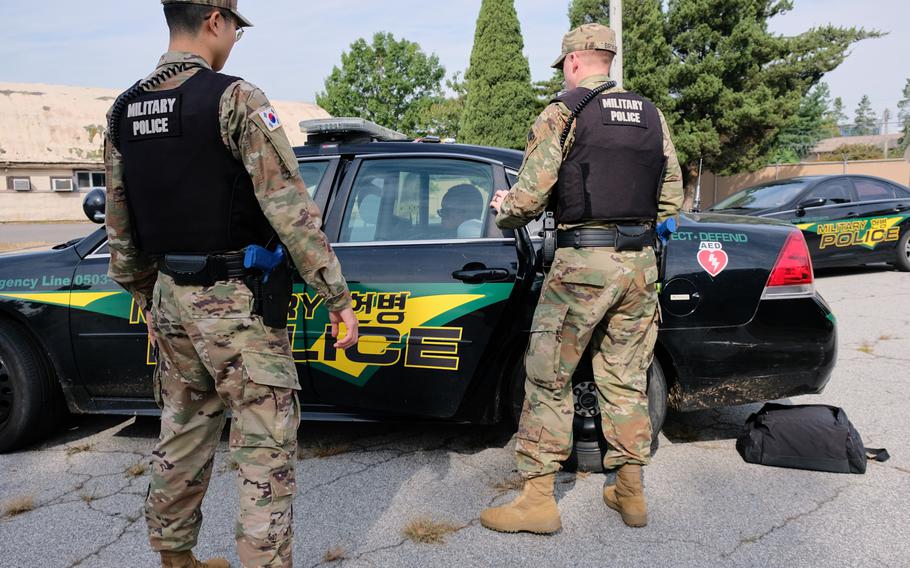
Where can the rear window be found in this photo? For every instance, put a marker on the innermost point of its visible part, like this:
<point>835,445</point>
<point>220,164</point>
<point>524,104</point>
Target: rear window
<point>312,174</point>
<point>765,196</point>
<point>870,189</point>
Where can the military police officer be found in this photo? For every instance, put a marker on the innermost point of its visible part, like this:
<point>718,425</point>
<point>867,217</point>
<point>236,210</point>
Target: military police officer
<point>201,176</point>
<point>609,172</point>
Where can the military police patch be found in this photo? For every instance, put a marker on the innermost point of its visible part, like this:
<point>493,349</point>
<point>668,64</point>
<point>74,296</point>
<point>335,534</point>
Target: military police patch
<point>270,119</point>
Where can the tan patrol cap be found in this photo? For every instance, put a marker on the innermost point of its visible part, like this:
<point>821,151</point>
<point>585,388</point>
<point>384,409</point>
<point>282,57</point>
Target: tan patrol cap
<point>587,37</point>
<point>230,5</point>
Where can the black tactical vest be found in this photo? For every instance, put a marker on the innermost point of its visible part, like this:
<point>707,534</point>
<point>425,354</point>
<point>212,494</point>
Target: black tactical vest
<point>613,171</point>
<point>187,193</point>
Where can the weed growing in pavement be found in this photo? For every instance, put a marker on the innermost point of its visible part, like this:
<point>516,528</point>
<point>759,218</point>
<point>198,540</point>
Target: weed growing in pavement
<point>510,483</point>
<point>87,497</point>
<point>866,347</point>
<point>886,337</point>
<point>335,554</point>
<point>137,470</point>
<point>428,531</point>
<point>17,506</point>
<point>323,450</point>
<point>582,474</point>
<point>79,449</point>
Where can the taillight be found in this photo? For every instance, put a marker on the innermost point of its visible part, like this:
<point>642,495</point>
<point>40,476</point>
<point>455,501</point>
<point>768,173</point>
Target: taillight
<point>792,275</point>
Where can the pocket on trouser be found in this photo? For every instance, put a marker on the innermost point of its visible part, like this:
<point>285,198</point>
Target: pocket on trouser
<point>268,413</point>
<point>543,355</point>
<point>266,498</point>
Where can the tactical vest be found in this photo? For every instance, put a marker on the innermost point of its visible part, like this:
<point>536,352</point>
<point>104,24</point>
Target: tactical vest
<point>187,193</point>
<point>613,171</point>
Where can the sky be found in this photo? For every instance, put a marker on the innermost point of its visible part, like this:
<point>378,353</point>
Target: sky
<point>295,43</point>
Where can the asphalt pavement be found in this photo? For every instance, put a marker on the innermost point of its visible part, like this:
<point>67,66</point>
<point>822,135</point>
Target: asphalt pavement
<point>361,485</point>
<point>33,235</point>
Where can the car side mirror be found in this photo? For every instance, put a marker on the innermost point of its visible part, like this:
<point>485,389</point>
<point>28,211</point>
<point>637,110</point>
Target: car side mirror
<point>93,205</point>
<point>817,202</point>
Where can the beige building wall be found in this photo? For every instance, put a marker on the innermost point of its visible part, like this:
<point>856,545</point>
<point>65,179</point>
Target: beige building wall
<point>715,188</point>
<point>41,207</point>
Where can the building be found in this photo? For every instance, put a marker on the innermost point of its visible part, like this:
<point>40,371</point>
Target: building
<point>51,147</point>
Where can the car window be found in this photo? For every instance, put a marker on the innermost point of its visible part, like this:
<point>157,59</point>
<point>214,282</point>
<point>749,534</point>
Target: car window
<point>870,189</point>
<point>833,192</point>
<point>765,196</point>
<point>312,173</point>
<point>901,193</point>
<point>404,199</point>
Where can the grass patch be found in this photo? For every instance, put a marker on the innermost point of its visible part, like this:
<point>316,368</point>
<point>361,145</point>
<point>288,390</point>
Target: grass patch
<point>17,506</point>
<point>510,483</point>
<point>137,470</point>
<point>79,449</point>
<point>866,347</point>
<point>886,337</point>
<point>428,531</point>
<point>335,554</point>
<point>582,474</point>
<point>87,497</point>
<point>323,450</point>
<point>9,247</point>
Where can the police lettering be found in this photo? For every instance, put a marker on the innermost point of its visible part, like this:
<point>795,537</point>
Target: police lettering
<point>623,104</point>
<point>155,106</point>
<point>622,116</point>
<point>150,126</point>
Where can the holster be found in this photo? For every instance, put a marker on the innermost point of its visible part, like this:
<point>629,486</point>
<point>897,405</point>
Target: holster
<point>548,252</point>
<point>272,297</point>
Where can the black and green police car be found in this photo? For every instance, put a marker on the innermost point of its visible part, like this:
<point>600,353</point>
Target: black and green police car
<point>444,298</point>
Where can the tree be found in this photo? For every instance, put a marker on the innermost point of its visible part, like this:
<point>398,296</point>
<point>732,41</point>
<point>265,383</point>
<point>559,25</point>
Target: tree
<point>806,128</point>
<point>852,152</point>
<point>499,105</point>
<point>865,123</point>
<point>836,117</point>
<point>441,116</point>
<point>903,116</point>
<point>726,84</point>
<point>388,82</point>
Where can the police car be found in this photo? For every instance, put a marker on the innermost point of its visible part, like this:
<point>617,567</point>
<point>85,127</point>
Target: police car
<point>848,220</point>
<point>444,298</point>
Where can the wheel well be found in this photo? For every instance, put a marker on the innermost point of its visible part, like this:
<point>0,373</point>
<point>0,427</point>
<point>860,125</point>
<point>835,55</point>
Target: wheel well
<point>670,375</point>
<point>7,319</point>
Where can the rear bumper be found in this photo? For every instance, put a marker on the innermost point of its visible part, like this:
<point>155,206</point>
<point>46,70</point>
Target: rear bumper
<point>789,348</point>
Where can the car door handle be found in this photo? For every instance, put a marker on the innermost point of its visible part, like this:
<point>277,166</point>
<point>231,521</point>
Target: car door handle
<point>900,208</point>
<point>480,275</point>
<point>853,214</point>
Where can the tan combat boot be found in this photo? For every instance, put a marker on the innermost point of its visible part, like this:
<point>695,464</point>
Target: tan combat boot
<point>533,511</point>
<point>627,496</point>
<point>187,560</point>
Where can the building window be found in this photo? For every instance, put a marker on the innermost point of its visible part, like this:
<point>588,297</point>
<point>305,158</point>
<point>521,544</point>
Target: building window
<point>19,183</point>
<point>86,181</point>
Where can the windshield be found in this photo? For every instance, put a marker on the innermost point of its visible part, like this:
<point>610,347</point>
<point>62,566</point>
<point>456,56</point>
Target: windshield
<point>763,196</point>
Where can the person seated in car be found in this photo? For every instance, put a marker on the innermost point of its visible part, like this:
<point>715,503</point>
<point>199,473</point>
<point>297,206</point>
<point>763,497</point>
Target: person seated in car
<point>462,208</point>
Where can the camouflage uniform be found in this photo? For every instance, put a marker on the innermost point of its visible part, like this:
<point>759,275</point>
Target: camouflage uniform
<point>593,297</point>
<point>215,355</point>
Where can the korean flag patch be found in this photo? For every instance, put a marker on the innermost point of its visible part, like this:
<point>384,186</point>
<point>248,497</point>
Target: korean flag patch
<point>270,119</point>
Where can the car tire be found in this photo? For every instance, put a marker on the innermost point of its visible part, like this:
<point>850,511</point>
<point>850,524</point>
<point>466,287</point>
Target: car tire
<point>902,262</point>
<point>587,455</point>
<point>30,400</point>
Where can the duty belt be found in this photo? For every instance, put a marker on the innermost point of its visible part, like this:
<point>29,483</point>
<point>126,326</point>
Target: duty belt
<point>584,238</point>
<point>203,269</point>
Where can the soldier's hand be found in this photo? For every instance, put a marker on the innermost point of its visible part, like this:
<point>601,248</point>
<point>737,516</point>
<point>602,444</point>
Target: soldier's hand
<point>153,339</point>
<point>349,320</point>
<point>497,199</point>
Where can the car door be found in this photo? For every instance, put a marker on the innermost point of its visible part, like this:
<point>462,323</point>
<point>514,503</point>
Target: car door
<point>826,213</point>
<point>882,211</point>
<point>429,274</point>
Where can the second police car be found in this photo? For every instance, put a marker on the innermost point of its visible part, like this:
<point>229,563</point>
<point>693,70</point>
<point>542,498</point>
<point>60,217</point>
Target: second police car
<point>444,298</point>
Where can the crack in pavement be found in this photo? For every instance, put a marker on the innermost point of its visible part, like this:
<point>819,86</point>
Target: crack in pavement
<point>744,541</point>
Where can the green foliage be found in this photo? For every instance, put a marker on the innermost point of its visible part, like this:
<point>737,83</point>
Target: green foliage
<point>853,152</point>
<point>903,116</point>
<point>388,81</point>
<point>865,123</point>
<point>499,105</point>
<point>835,117</point>
<point>590,12</point>
<point>806,128</point>
<point>441,116</point>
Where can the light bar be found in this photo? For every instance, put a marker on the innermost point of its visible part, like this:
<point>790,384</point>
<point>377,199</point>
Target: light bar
<point>347,130</point>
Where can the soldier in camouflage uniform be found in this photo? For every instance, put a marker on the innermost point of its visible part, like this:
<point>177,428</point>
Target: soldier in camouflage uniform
<point>593,297</point>
<point>214,351</point>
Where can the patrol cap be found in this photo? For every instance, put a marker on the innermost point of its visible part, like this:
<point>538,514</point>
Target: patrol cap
<point>229,5</point>
<point>587,37</point>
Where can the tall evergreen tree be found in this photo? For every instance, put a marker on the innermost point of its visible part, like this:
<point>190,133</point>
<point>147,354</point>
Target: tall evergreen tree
<point>806,128</point>
<point>865,121</point>
<point>387,81</point>
<point>500,100</point>
<point>903,116</point>
<point>837,117</point>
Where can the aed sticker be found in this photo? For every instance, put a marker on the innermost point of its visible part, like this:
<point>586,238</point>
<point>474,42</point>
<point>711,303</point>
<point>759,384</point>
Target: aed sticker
<point>868,232</point>
<point>270,119</point>
<point>712,257</point>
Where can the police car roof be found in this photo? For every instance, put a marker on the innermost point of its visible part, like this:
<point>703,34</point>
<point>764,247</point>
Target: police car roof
<point>509,158</point>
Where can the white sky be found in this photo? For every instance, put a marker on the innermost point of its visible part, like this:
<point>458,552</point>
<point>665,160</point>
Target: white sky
<point>112,43</point>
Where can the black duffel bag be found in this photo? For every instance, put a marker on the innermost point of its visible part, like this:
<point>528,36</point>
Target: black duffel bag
<point>807,436</point>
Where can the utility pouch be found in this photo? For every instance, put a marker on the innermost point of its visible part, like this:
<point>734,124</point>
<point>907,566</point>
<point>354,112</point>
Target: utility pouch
<point>188,269</point>
<point>633,237</point>
<point>548,253</point>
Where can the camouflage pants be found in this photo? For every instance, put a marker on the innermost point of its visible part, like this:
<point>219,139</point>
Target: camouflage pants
<point>214,355</point>
<point>607,300</point>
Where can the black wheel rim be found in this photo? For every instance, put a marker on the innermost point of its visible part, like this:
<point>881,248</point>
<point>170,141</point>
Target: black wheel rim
<point>6,393</point>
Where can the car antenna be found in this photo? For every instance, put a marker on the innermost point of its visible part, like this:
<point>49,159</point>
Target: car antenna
<point>696,207</point>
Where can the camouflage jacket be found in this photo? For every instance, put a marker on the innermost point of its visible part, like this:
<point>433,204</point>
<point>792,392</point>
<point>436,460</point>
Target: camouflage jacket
<point>543,159</point>
<point>270,161</point>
